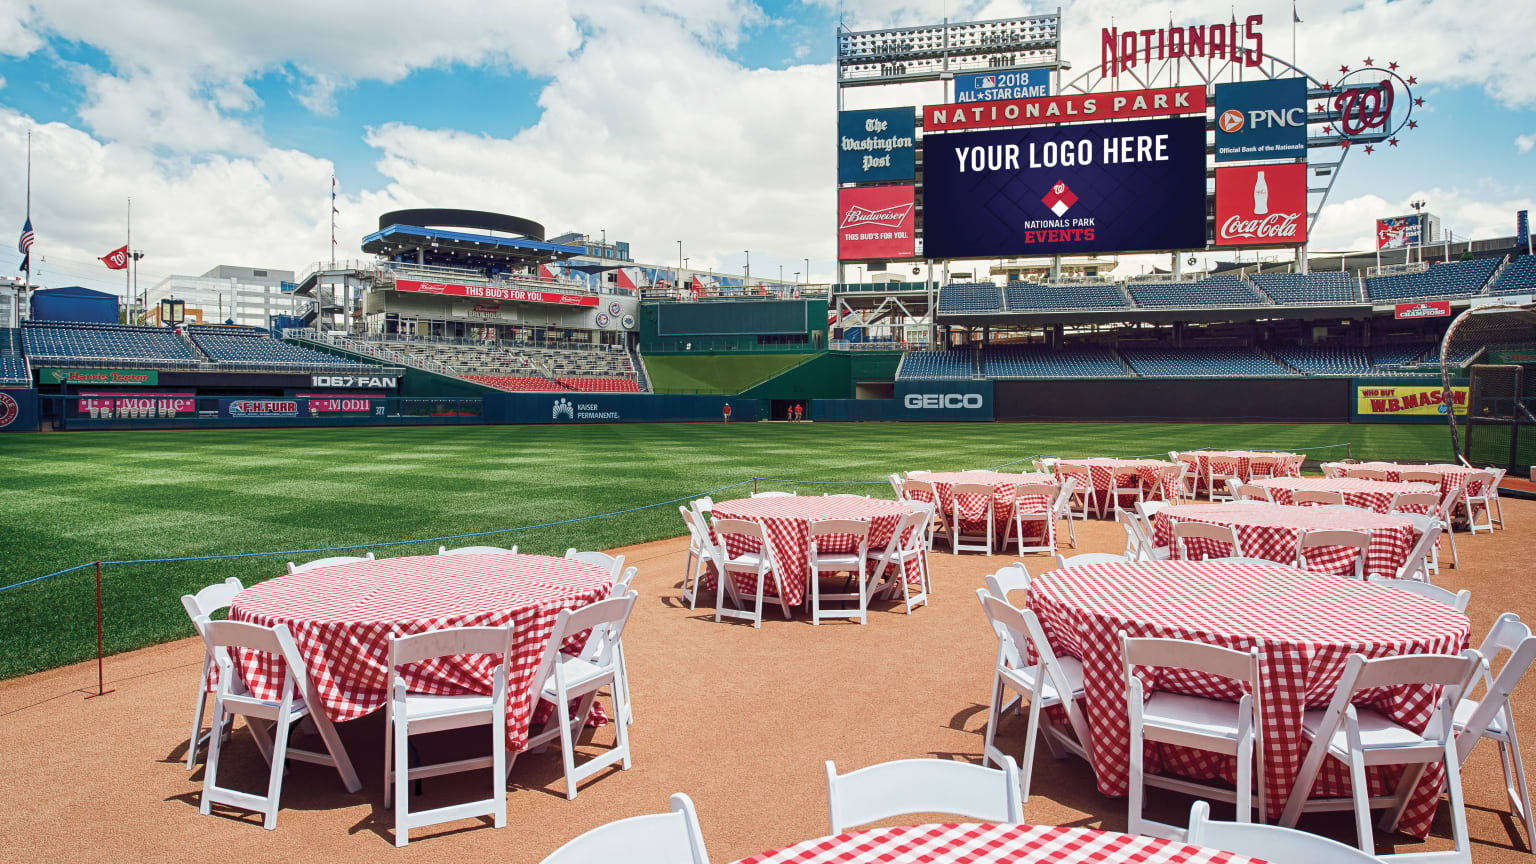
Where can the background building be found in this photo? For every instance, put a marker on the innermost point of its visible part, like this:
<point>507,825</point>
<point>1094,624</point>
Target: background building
<point>240,295</point>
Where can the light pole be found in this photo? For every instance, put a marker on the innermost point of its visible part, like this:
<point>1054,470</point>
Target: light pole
<point>679,259</point>
<point>781,272</point>
<point>807,271</point>
<point>1418,210</point>
<point>748,269</point>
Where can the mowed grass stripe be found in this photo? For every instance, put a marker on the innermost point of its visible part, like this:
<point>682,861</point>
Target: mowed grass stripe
<point>66,499</point>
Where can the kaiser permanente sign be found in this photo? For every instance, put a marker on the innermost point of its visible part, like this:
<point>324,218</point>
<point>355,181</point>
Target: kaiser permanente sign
<point>97,377</point>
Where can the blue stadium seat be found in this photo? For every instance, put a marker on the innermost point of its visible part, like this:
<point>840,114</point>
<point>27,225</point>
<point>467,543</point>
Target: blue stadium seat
<point>970,297</point>
<point>13,370</point>
<point>69,342</point>
<point>1224,290</point>
<point>240,346</point>
<point>1201,363</point>
<point>1049,297</point>
<point>1309,289</point>
<point>1518,278</point>
<point>1039,361</point>
<point>1400,355</point>
<point>1445,279</point>
<point>935,365</point>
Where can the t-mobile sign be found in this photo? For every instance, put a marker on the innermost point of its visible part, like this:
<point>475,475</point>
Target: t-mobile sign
<point>1261,205</point>
<point>876,222</point>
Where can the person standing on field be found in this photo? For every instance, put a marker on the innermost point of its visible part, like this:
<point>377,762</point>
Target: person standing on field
<point>726,411</point>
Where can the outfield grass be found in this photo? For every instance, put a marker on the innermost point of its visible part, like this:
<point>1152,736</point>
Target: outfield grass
<point>716,373</point>
<point>71,498</point>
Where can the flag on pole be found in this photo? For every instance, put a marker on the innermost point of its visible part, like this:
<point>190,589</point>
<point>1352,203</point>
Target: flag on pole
<point>24,246</point>
<point>117,259</point>
<point>1295,19</point>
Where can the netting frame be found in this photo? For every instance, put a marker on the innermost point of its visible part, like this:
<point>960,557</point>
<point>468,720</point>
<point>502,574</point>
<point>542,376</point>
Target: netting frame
<point>1519,314</point>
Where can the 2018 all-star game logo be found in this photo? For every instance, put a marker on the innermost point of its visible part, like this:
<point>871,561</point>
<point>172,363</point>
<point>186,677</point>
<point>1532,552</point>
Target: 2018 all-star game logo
<point>1060,199</point>
<point>8,410</point>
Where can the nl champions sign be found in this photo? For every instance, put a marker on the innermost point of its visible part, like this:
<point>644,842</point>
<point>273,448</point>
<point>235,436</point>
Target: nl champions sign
<point>1102,187</point>
<point>876,145</point>
<point>1261,120</point>
<point>991,86</point>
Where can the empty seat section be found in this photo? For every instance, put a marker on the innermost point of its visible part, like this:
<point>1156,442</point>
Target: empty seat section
<point>516,383</point>
<point>14,371</point>
<point>56,342</point>
<point>935,365</point>
<point>244,347</point>
<point>1446,279</point>
<point>970,297</point>
<point>1201,363</point>
<point>1399,355</point>
<point>601,385</point>
<point>1226,290</point>
<point>1324,359</point>
<point>598,369</point>
<point>1309,289</point>
<point>1051,297</point>
<point>1039,361</point>
<point>1519,277</point>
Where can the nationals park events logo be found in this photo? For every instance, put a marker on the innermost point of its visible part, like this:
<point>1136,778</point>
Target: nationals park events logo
<point>890,217</point>
<point>1060,199</point>
<point>8,410</point>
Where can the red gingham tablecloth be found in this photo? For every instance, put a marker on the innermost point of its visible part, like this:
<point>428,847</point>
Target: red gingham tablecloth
<point>1451,476</point>
<point>1102,473</point>
<point>342,617</point>
<point>993,844</point>
<point>974,507</point>
<point>1273,531</point>
<point>1235,463</point>
<point>1305,629</point>
<point>1370,494</point>
<point>788,521</point>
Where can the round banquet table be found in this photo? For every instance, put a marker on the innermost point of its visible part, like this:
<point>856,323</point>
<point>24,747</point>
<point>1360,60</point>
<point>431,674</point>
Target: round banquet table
<point>1273,531</point>
<point>992,844</point>
<point>1369,494</point>
<point>1102,474</point>
<point>788,521</point>
<point>342,617</point>
<point>1451,476</point>
<point>1237,463</point>
<point>1305,629</point>
<point>973,508</point>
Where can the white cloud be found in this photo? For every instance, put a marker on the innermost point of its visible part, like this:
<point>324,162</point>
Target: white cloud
<point>1524,143</point>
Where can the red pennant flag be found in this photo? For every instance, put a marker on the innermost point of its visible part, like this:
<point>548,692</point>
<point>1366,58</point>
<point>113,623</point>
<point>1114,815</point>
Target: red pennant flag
<point>117,259</point>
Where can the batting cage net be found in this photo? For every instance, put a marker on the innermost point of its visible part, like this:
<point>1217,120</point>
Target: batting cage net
<point>1494,346</point>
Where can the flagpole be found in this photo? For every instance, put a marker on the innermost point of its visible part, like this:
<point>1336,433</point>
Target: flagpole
<point>27,255</point>
<point>127,285</point>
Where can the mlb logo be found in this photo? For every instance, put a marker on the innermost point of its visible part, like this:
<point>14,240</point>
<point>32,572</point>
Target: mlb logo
<point>988,82</point>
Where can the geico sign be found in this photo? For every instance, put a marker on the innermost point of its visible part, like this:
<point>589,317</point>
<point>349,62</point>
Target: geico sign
<point>943,400</point>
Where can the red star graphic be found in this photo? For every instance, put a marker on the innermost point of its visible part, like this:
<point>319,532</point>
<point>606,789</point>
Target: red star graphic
<point>1369,149</point>
<point>1392,141</point>
<point>1328,130</point>
<point>1412,80</point>
<point>1392,66</point>
<point>1343,68</point>
<point>1419,102</point>
<point>1344,143</point>
<point>1413,124</point>
<point>1326,86</point>
<point>1370,62</point>
<point>1318,108</point>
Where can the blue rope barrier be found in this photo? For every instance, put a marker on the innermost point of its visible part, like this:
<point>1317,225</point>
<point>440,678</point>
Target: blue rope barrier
<point>48,576</point>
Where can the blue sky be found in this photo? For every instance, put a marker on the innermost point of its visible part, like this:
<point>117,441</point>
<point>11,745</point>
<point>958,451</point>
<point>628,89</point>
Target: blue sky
<point>709,121</point>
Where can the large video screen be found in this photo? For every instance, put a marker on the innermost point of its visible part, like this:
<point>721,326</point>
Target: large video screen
<point>1136,186</point>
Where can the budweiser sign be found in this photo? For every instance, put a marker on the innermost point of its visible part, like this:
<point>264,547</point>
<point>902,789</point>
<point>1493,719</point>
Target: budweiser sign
<point>876,222</point>
<point>1261,205</point>
<point>890,216</point>
<point>493,292</point>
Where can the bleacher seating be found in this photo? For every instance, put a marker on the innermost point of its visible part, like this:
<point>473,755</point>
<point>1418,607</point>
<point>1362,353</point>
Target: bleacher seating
<point>1327,360</point>
<point>601,385</point>
<point>970,297</point>
<point>1445,279</point>
<point>600,369</point>
<point>935,365</point>
<point>1224,290</point>
<point>1329,287</point>
<point>516,383</point>
<point>14,371</point>
<point>1050,297</point>
<point>1399,355</point>
<point>1518,278</point>
<point>238,346</point>
<point>1461,355</point>
<point>1039,361</point>
<point>87,344</point>
<point>1201,363</point>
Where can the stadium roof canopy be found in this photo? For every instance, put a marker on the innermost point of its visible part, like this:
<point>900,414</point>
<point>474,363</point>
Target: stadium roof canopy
<point>437,234</point>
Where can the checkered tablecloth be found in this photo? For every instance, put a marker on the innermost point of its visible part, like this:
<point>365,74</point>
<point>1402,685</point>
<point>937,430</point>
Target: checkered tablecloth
<point>1305,629</point>
<point>1451,476</point>
<point>1273,531</point>
<point>973,508</point>
<point>1102,474</point>
<point>342,617</point>
<point>1237,463</point>
<point>788,521</point>
<point>1370,494</point>
<point>993,844</point>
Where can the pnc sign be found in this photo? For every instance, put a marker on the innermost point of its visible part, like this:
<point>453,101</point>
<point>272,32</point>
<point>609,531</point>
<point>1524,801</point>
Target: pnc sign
<point>1261,120</point>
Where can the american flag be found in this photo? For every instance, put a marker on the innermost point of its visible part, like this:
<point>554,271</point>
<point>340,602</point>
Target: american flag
<point>25,243</point>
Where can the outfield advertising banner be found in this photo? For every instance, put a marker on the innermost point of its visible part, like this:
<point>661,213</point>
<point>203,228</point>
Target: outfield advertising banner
<point>18,410</point>
<point>876,145</point>
<point>247,409</point>
<point>343,403</point>
<point>1261,120</point>
<point>944,400</point>
<point>491,292</point>
<point>101,377</point>
<point>1124,105</point>
<point>1094,188</point>
<point>1261,205</point>
<point>1422,309</point>
<point>996,86</point>
<point>135,405</point>
<point>1399,231</point>
<point>876,222</point>
<point>1395,400</point>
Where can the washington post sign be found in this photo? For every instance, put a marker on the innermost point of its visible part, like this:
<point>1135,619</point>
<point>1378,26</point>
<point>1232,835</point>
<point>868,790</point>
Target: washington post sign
<point>876,145</point>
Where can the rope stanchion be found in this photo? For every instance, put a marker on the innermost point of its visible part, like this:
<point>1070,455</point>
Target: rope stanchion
<point>100,654</point>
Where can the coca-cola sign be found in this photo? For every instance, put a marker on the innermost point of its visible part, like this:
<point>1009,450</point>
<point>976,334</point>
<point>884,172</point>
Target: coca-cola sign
<point>1261,205</point>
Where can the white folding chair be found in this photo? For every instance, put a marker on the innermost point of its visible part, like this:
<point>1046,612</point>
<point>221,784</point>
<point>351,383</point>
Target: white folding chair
<point>1417,565</point>
<point>1262,466</point>
<point>296,702</point>
<point>758,564</point>
<point>1062,508</point>
<point>1046,518</point>
<point>702,507</point>
<point>614,564</point>
<point>935,526</point>
<point>325,562</point>
<point>1366,473</point>
<point>957,541</point>
<point>476,550</point>
<point>1088,558</point>
<point>1360,540</point>
<point>1138,545</point>
<point>1268,842</point>
<point>1359,736</point>
<point>1189,478</point>
<point>1448,522</point>
<point>1471,502</point>
<point>661,838</point>
<point>423,713</point>
<point>1303,497</point>
<point>203,604</point>
<point>923,786</point>
<point>1250,492</point>
<point>701,556</point>
<point>1333,469</point>
<point>822,561</point>
<point>906,545</point>
<point>773,494</point>
<point>1216,483</point>
<point>1458,600</point>
<point>1492,490</point>
<point>1050,683</point>
<point>1213,725</point>
<point>1082,489</point>
<point>1014,577</point>
<point>895,480</point>
<point>1204,531</point>
<point>1123,481</point>
<point>1168,475</point>
<point>1494,719</point>
<point>561,678</point>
